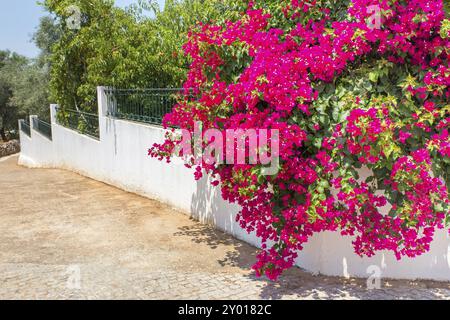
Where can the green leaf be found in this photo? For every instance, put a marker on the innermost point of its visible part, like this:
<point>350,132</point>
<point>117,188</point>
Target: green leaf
<point>373,76</point>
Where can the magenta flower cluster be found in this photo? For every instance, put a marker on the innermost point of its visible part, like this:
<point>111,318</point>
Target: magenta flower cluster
<point>263,71</point>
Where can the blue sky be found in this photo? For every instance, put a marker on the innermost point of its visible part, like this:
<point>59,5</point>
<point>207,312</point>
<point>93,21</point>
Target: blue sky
<point>18,21</point>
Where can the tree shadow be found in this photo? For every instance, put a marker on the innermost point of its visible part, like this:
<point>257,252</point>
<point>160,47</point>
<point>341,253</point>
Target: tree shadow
<point>217,228</point>
<point>241,255</point>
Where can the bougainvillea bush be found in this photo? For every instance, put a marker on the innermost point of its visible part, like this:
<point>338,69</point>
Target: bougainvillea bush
<point>350,85</point>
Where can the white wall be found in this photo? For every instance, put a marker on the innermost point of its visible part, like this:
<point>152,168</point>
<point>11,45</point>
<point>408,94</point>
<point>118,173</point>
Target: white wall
<point>120,158</point>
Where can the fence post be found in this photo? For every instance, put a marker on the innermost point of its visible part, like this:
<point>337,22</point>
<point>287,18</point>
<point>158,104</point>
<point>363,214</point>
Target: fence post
<point>53,110</point>
<point>20,130</point>
<point>32,117</point>
<point>102,111</point>
<point>102,102</point>
<point>30,121</point>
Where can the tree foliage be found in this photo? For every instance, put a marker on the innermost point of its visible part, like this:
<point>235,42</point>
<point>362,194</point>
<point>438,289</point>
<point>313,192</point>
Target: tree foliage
<point>136,47</point>
<point>11,66</point>
<point>24,82</point>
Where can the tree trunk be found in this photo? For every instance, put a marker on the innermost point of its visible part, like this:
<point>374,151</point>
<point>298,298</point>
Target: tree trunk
<point>3,135</point>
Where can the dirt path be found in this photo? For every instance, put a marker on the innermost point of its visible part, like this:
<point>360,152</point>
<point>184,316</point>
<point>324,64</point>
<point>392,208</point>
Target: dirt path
<point>66,236</point>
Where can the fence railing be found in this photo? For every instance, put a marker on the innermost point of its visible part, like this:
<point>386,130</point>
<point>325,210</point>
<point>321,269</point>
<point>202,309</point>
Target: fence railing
<point>25,127</point>
<point>83,122</point>
<point>42,127</point>
<point>143,105</point>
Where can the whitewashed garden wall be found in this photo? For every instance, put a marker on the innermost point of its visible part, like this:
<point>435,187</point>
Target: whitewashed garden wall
<point>119,157</point>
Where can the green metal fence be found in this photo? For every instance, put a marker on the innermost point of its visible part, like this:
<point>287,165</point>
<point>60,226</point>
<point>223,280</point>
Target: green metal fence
<point>42,127</point>
<point>25,127</point>
<point>143,105</point>
<point>83,122</point>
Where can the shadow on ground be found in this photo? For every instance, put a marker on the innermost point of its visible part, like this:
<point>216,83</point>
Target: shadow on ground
<point>299,283</point>
<point>240,254</point>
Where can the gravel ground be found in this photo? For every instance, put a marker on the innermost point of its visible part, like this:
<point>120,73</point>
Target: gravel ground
<point>9,148</point>
<point>64,236</point>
